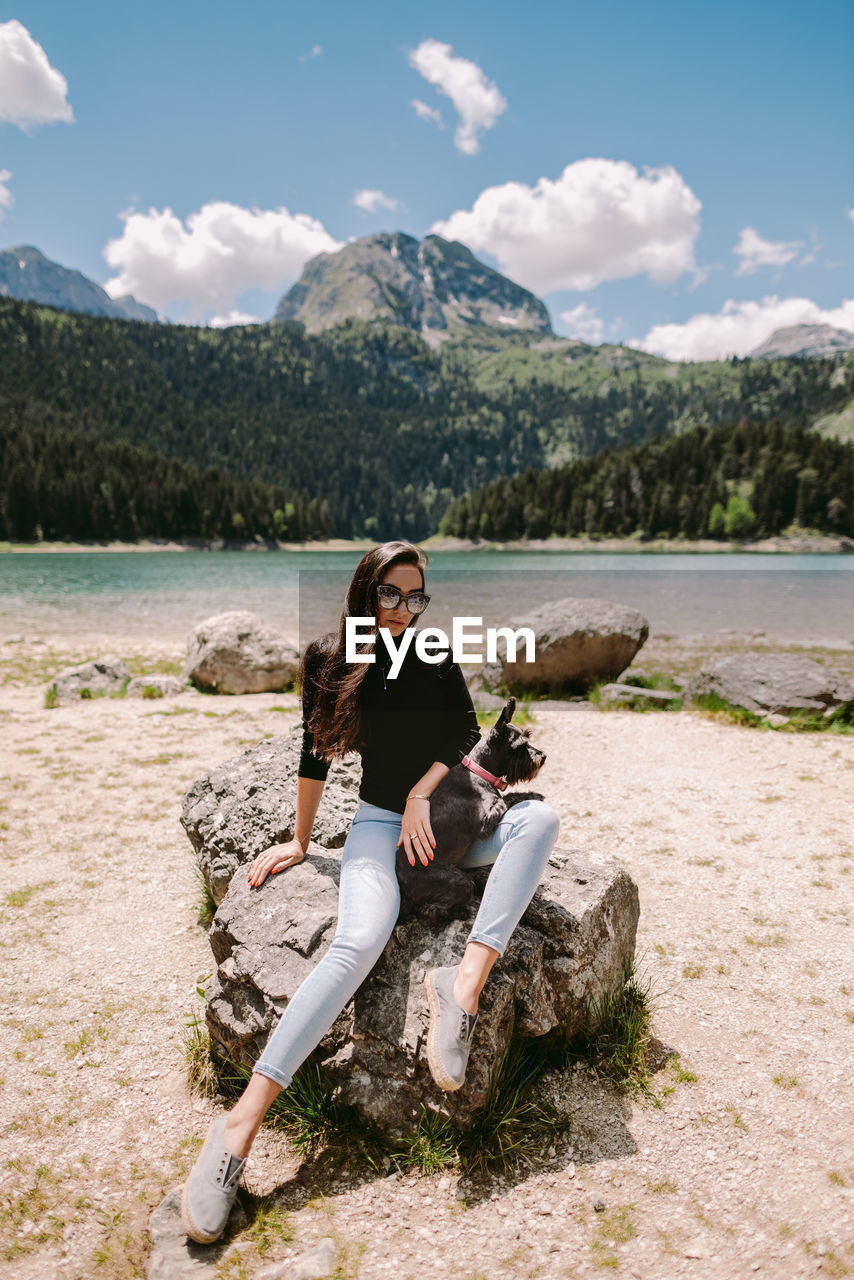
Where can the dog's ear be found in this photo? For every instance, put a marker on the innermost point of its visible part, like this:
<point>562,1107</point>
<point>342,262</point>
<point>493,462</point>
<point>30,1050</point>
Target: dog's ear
<point>506,713</point>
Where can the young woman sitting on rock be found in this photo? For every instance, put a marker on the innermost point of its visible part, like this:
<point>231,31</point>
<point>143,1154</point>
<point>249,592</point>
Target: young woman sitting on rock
<point>410,730</point>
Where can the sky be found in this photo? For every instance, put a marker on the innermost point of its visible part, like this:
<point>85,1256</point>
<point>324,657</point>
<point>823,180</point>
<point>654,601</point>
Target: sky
<point>672,176</point>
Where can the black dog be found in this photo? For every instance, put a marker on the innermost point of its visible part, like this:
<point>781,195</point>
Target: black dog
<point>466,807</point>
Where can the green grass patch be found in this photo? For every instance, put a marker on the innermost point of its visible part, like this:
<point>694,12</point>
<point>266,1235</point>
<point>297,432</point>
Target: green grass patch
<point>682,1074</point>
<point>716,708</point>
<point>19,897</point>
<point>841,721</point>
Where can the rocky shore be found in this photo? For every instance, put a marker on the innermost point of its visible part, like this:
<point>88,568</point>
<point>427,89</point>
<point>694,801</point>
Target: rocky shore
<point>792,544</point>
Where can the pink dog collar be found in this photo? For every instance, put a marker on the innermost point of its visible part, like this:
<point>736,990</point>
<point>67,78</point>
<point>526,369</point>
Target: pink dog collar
<point>484,773</point>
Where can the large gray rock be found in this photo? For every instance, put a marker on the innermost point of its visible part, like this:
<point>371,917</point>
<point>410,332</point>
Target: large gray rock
<point>237,653</point>
<point>249,802</point>
<point>576,939</point>
<point>578,642</point>
<point>779,683</point>
<point>95,679</point>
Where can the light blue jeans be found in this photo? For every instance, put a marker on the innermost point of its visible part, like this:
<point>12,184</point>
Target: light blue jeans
<point>368,905</point>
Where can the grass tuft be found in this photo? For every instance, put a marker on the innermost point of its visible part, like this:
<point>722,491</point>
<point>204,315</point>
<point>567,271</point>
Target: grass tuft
<point>716,708</point>
<point>51,697</point>
<point>616,1041</point>
<point>19,897</point>
<point>517,1121</point>
<point>207,903</point>
<point>201,1069</point>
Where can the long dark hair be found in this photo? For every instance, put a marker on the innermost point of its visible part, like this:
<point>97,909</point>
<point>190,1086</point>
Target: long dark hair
<point>334,684</point>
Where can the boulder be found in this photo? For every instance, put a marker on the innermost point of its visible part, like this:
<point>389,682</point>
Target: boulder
<point>780,683</point>
<point>94,679</point>
<point>576,940</point>
<point>236,653</point>
<point>578,642</point>
<point>154,686</point>
<point>248,803</point>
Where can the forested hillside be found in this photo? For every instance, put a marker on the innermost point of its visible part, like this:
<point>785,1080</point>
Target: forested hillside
<point>367,419</point>
<point>58,483</point>
<point>753,479</point>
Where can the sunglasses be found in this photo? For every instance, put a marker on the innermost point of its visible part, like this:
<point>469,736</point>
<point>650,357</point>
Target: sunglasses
<point>390,597</point>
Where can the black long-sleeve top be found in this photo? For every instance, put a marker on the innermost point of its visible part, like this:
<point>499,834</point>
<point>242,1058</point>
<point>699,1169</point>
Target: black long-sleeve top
<point>423,715</point>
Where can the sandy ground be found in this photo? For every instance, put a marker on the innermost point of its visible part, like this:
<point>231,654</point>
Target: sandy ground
<point>741,843</point>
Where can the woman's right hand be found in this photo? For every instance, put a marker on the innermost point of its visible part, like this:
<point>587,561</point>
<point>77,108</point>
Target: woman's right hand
<point>274,859</point>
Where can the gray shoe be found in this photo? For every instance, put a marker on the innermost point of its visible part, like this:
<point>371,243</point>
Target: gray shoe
<point>451,1030</point>
<point>210,1190</point>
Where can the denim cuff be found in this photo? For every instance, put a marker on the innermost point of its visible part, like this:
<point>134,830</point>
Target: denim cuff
<point>278,1077</point>
<point>487,942</point>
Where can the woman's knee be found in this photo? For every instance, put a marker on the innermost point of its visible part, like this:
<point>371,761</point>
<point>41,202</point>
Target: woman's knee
<point>544,819</point>
<point>358,947</point>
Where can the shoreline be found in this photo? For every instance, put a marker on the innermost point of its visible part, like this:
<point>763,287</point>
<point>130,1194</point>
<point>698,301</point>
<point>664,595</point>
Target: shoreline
<point>781,544</point>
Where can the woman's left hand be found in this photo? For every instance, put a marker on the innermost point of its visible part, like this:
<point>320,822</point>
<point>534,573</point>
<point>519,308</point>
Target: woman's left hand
<point>416,834</point>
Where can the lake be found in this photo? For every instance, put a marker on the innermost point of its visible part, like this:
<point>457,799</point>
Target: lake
<point>797,598</point>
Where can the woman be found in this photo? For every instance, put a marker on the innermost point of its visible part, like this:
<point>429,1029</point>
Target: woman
<point>410,731</point>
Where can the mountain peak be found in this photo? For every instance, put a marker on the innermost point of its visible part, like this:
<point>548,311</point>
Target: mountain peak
<point>804,340</point>
<point>430,286</point>
<point>29,276</point>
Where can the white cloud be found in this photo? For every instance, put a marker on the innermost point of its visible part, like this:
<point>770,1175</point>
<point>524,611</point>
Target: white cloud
<point>756,252</point>
<point>739,327</point>
<point>233,317</point>
<point>583,322</point>
<point>32,92</point>
<point>427,113</point>
<point>209,261</point>
<point>6,197</point>
<point>600,220</point>
<point>314,52</point>
<point>478,101</point>
<point>370,200</point>
<point>851,214</point>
